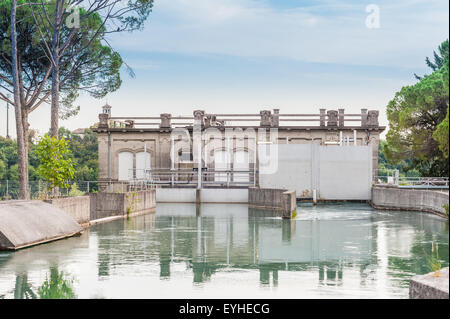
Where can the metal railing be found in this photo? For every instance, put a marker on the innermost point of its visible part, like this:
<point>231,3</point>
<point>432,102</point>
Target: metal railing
<point>189,178</point>
<point>413,182</point>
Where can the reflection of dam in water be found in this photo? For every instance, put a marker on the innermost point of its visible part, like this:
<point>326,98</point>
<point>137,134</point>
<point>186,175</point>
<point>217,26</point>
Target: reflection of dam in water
<point>231,250</point>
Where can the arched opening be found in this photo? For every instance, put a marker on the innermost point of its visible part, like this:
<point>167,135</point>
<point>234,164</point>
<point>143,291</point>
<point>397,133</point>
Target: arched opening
<point>143,165</point>
<point>221,163</point>
<point>125,166</point>
<point>241,163</point>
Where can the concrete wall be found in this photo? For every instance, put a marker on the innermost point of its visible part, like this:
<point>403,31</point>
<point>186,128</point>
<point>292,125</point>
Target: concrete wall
<point>230,195</point>
<point>391,197</point>
<point>78,207</point>
<point>336,172</point>
<point>207,195</point>
<point>429,286</point>
<point>175,195</point>
<point>273,199</point>
<point>27,223</point>
<point>104,205</point>
<point>268,198</point>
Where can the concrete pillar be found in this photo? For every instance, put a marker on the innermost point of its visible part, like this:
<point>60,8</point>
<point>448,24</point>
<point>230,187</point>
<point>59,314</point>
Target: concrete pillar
<point>276,118</point>
<point>266,118</point>
<point>364,118</point>
<point>372,119</point>
<point>322,117</point>
<point>103,120</point>
<point>341,117</point>
<point>289,204</point>
<point>332,118</point>
<point>165,120</point>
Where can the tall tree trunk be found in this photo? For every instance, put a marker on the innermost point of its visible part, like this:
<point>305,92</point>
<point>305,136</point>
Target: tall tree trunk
<point>22,152</point>
<point>55,101</point>
<point>54,127</point>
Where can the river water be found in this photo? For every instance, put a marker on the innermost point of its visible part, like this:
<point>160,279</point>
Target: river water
<point>232,251</point>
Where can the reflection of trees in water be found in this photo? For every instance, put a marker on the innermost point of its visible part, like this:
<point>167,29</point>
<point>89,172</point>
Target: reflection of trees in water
<point>196,241</point>
<point>56,286</point>
<point>23,288</point>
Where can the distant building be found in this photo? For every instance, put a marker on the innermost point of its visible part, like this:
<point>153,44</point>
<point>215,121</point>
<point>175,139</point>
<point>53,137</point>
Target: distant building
<point>79,131</point>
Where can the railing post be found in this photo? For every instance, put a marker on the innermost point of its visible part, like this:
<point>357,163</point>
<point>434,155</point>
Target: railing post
<point>228,178</point>
<point>88,187</point>
<point>7,189</point>
<point>341,117</point>
<point>322,117</point>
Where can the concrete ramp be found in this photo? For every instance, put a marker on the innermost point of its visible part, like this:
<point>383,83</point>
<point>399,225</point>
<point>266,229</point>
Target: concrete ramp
<point>28,223</point>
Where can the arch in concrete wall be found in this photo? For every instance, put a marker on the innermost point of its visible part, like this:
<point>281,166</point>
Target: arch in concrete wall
<point>143,163</point>
<point>221,163</point>
<point>125,167</point>
<point>241,162</point>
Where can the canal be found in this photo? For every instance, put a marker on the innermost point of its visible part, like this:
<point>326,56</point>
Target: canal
<point>231,251</point>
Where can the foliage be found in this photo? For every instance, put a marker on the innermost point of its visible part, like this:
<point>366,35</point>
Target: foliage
<point>84,153</point>
<point>414,115</point>
<point>74,191</point>
<point>386,169</point>
<point>434,260</point>
<point>445,210</point>
<point>84,150</point>
<point>441,135</point>
<point>55,165</point>
<point>132,200</point>
<point>57,286</point>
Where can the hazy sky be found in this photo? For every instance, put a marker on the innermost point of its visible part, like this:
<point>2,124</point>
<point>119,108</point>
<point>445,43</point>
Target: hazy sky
<point>248,55</point>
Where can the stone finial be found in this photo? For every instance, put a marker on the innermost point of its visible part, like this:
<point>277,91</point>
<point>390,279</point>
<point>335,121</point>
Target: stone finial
<point>276,118</point>
<point>322,117</point>
<point>341,117</point>
<point>266,118</point>
<point>103,120</point>
<point>332,118</point>
<point>210,120</point>
<point>165,120</point>
<point>372,119</point>
<point>129,124</point>
<point>364,117</point>
<point>199,117</point>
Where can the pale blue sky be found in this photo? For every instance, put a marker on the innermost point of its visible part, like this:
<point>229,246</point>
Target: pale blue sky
<point>248,55</point>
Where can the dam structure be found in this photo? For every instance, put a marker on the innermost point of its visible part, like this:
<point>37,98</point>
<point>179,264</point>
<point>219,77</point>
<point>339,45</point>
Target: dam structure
<point>331,155</point>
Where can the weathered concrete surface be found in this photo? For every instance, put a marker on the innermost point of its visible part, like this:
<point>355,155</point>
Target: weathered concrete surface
<point>267,198</point>
<point>28,223</point>
<point>289,204</point>
<point>78,207</point>
<point>110,206</point>
<point>429,286</point>
<point>273,199</point>
<point>392,197</point>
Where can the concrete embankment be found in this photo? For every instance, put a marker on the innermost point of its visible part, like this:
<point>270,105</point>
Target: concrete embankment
<point>422,200</point>
<point>273,199</point>
<point>28,223</point>
<point>204,195</point>
<point>430,286</point>
<point>78,207</point>
<point>110,206</point>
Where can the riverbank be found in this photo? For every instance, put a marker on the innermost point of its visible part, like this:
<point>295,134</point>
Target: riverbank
<point>421,200</point>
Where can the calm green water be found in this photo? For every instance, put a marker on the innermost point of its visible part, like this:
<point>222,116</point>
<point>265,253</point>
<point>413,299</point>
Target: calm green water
<point>223,251</point>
